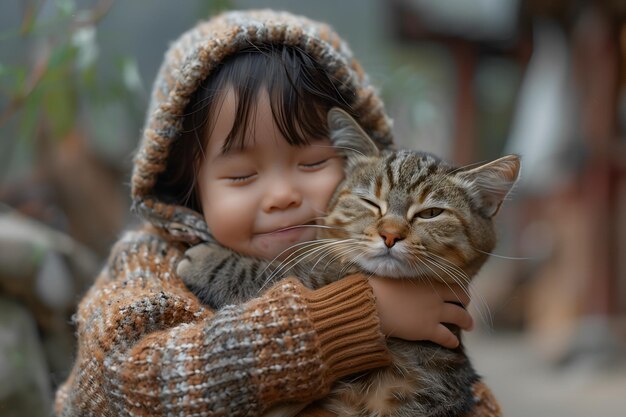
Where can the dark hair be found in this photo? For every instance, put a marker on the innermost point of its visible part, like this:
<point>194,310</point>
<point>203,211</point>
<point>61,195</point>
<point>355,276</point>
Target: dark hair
<point>300,93</point>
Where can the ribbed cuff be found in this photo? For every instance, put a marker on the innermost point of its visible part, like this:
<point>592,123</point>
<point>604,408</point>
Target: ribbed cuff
<point>347,325</point>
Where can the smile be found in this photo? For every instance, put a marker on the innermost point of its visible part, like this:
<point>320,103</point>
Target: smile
<point>284,240</point>
<point>288,229</point>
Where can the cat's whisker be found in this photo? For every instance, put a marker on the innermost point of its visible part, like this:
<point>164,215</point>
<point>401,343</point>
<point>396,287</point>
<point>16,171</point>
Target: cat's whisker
<point>331,250</point>
<point>348,265</point>
<point>416,264</point>
<point>461,278</point>
<point>482,307</point>
<point>281,270</point>
<point>349,262</point>
<point>302,226</point>
<point>441,279</point>
<point>322,226</point>
<point>512,258</point>
<point>306,253</point>
<point>433,255</point>
<point>483,317</point>
<point>458,276</point>
<point>295,257</point>
<point>319,226</point>
<point>339,252</point>
<point>433,272</point>
<point>270,263</point>
<point>308,242</point>
<point>464,280</point>
<point>300,248</point>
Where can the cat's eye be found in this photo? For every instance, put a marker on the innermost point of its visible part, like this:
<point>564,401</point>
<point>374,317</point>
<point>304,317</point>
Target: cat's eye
<point>429,213</point>
<point>371,203</point>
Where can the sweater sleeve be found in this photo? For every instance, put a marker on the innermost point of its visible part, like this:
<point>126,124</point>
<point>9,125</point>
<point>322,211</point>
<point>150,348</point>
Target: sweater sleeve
<point>146,346</point>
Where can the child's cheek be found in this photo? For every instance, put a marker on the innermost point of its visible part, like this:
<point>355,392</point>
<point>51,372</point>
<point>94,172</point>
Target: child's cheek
<point>329,183</point>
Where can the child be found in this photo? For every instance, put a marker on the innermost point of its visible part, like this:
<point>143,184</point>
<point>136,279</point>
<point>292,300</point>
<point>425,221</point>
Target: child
<point>235,149</point>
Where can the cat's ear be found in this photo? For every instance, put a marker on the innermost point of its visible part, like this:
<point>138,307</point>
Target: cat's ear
<point>490,183</point>
<point>348,137</point>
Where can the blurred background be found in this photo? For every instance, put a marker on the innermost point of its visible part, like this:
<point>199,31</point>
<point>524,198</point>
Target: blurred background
<point>469,80</point>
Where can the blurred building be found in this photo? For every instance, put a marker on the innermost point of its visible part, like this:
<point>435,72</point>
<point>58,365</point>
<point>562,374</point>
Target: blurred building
<point>545,80</point>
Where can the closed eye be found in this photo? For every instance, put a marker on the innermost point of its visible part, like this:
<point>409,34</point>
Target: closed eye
<point>314,165</point>
<point>430,213</point>
<point>371,203</point>
<point>241,179</point>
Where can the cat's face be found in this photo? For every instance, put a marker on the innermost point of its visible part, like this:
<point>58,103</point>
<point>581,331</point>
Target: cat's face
<point>409,214</point>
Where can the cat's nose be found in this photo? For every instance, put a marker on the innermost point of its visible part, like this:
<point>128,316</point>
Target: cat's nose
<point>390,237</point>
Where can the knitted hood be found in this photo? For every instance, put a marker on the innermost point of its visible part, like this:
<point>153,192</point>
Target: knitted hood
<point>193,57</point>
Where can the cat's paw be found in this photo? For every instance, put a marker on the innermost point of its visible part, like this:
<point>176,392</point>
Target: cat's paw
<point>192,262</point>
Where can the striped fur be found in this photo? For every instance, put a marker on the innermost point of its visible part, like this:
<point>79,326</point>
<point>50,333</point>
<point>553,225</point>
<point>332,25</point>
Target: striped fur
<point>402,214</point>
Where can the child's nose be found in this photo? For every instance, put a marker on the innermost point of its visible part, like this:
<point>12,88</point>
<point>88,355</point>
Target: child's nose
<point>282,194</point>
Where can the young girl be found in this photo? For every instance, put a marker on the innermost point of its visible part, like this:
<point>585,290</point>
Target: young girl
<point>236,149</point>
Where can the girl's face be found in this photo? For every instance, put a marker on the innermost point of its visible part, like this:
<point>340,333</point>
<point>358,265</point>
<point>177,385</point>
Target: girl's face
<point>254,199</point>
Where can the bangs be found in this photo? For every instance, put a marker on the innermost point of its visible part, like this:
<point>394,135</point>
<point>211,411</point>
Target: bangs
<point>299,91</point>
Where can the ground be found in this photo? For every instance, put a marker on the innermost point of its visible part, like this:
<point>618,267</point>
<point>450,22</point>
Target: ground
<point>527,385</point>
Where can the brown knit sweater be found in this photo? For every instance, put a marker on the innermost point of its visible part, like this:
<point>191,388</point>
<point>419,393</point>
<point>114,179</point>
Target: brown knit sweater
<point>147,346</point>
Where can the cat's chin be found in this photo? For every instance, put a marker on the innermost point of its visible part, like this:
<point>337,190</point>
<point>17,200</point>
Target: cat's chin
<point>387,266</point>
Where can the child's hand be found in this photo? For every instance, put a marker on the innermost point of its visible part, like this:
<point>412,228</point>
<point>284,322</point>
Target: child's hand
<point>414,310</point>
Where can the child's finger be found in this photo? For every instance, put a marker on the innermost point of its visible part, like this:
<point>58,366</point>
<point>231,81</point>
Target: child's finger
<point>444,337</point>
<point>454,314</point>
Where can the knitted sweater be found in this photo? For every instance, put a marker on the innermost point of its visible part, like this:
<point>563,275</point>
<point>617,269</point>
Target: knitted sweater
<point>148,347</point>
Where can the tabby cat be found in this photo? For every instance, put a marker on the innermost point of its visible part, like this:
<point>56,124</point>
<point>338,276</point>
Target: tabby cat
<point>401,214</point>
